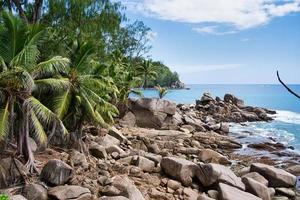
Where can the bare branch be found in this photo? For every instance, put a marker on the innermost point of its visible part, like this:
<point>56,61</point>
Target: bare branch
<point>288,89</point>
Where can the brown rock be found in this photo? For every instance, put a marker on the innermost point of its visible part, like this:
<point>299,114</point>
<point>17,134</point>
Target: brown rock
<point>276,177</point>
<point>67,192</point>
<point>211,156</point>
<point>56,172</point>
<point>256,176</point>
<point>256,188</point>
<point>231,193</point>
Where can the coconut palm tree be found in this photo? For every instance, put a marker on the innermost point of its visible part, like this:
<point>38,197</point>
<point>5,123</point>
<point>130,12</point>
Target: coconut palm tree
<point>87,98</point>
<point>22,114</point>
<point>162,91</point>
<point>146,70</point>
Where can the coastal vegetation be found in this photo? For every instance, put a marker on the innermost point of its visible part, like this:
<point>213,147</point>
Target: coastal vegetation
<point>66,64</point>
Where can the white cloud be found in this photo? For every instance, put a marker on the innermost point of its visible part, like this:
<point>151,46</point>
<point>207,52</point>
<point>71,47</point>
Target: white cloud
<point>212,30</point>
<point>239,14</point>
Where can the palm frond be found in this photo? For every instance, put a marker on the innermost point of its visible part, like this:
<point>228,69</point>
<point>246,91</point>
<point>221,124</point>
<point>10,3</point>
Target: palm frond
<point>43,113</point>
<point>27,57</point>
<point>51,84</point>
<point>4,121</point>
<point>61,104</point>
<point>38,128</point>
<point>55,65</point>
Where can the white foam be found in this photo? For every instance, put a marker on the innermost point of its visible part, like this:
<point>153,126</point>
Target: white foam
<point>287,117</point>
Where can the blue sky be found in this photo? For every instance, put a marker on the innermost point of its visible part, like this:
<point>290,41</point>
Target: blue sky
<point>224,41</point>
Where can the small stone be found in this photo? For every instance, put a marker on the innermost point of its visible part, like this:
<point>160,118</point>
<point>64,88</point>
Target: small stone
<point>286,192</point>
<point>98,151</point>
<point>175,185</point>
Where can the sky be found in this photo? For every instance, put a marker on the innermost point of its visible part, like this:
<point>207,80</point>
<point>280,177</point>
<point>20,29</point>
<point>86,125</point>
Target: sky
<point>224,41</point>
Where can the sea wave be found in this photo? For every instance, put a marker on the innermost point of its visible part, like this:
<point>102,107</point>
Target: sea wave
<point>287,117</point>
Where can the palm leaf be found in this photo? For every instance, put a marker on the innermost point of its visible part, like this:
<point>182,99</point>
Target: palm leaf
<point>55,65</point>
<point>4,121</point>
<point>51,84</point>
<point>42,112</point>
<point>61,104</point>
<point>38,128</point>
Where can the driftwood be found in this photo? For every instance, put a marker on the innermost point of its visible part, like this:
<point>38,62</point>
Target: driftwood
<point>288,89</point>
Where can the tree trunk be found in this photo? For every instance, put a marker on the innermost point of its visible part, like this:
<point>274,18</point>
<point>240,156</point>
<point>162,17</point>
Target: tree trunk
<point>20,10</point>
<point>37,10</point>
<point>24,148</point>
<point>145,81</point>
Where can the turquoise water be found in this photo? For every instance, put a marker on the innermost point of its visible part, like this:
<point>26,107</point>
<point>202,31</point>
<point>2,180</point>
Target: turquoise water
<point>285,127</point>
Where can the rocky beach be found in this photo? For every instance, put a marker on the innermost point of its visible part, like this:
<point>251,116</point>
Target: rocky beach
<point>165,151</point>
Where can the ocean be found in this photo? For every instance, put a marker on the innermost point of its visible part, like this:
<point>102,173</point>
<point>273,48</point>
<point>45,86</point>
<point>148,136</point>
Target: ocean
<point>286,126</point>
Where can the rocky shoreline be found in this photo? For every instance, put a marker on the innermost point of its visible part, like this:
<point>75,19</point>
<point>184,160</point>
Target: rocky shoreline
<point>160,150</point>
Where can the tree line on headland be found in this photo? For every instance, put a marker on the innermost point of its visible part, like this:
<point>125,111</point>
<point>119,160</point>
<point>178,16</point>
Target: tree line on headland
<point>68,63</point>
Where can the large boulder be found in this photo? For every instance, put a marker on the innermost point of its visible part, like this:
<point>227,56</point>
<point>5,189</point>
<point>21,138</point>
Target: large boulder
<point>180,169</point>
<point>129,190</point>
<point>229,98</point>
<point>276,177</point>
<point>12,171</point>
<point>35,192</point>
<point>68,192</point>
<point>256,188</point>
<point>211,156</point>
<point>56,172</point>
<point>97,151</point>
<point>256,176</point>
<point>152,112</point>
<point>215,173</point>
<point>227,192</point>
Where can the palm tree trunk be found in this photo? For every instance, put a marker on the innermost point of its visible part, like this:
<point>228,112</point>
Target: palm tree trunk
<point>24,148</point>
<point>145,81</point>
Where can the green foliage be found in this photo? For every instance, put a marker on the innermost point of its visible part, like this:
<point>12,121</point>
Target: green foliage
<point>162,91</point>
<point>4,197</point>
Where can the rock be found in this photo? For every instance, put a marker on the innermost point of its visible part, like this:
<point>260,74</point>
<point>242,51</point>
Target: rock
<point>256,188</point>
<point>128,120</point>
<point>286,192</point>
<point>295,170</point>
<point>180,169</point>
<point>56,172</point>
<point>114,198</point>
<point>276,177</point>
<point>124,184</point>
<point>67,192</point>
<point>271,191</point>
<point>213,194</point>
<point>215,173</point>
<point>113,131</point>
<point>78,158</point>
<point>35,192</point>
<point>204,197</point>
<point>211,156</point>
<point>188,127</point>
<point>196,123</point>
<point>190,193</point>
<point>12,171</point>
<point>114,148</point>
<point>18,197</point>
<point>108,141</point>
<point>256,176</point>
<point>145,164</point>
<point>152,112</point>
<point>280,198</point>
<point>174,185</point>
<point>229,98</point>
<point>155,194</point>
<point>205,99</point>
<point>98,151</point>
<point>227,192</point>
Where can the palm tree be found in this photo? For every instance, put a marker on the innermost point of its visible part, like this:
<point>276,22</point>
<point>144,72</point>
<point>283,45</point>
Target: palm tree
<point>146,70</point>
<point>86,100</point>
<point>162,91</point>
<point>20,79</point>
